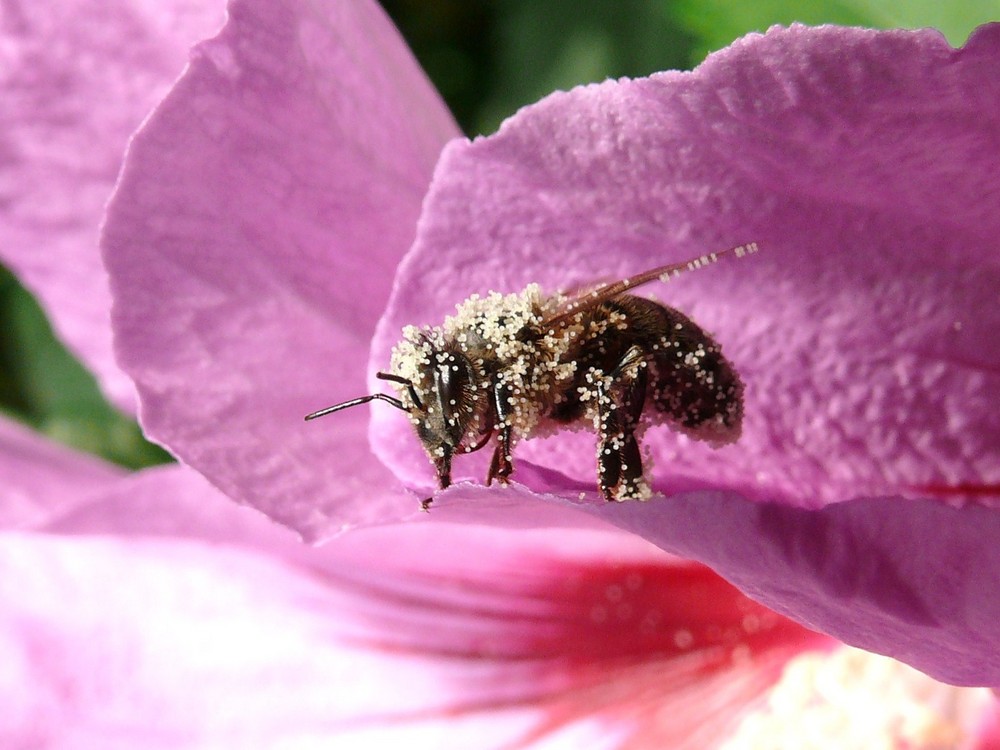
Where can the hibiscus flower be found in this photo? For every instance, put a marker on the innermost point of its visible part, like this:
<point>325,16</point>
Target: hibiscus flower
<point>449,620</point>
<point>264,207</point>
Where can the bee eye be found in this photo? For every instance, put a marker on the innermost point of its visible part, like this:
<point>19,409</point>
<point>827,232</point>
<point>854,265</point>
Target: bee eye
<point>448,389</point>
<point>452,379</point>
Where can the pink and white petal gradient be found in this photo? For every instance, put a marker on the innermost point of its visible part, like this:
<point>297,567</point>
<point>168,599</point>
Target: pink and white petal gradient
<point>163,615</point>
<point>157,613</point>
<point>40,479</point>
<point>76,79</point>
<point>160,614</point>
<point>252,242</point>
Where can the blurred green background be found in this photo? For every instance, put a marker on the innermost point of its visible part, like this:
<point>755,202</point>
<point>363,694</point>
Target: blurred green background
<point>487,58</point>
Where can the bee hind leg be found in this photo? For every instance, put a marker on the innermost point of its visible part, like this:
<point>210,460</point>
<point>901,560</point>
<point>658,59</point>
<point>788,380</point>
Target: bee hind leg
<point>500,466</point>
<point>620,402</point>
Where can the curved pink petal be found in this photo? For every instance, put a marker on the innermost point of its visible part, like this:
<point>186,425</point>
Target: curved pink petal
<point>163,612</point>
<point>159,627</point>
<point>863,163</point>
<point>40,480</point>
<point>76,78</point>
<point>252,242</point>
<point>172,643</point>
<point>913,579</point>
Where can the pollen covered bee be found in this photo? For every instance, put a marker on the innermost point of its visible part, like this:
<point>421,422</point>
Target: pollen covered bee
<point>522,365</point>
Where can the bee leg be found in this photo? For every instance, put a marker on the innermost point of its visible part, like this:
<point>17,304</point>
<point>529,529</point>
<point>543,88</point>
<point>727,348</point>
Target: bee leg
<point>494,472</point>
<point>501,465</point>
<point>620,403</point>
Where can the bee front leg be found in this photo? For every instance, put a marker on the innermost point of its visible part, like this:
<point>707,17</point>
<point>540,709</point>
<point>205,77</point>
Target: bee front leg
<point>501,465</point>
<point>620,403</point>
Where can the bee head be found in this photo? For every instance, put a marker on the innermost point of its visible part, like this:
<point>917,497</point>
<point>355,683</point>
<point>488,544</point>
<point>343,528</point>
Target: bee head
<point>441,402</point>
<point>437,388</point>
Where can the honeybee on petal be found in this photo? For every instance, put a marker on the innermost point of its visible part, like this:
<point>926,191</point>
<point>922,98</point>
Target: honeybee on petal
<point>509,367</point>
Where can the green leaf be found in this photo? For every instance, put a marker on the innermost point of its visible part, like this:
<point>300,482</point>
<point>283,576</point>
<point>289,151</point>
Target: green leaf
<point>955,20</point>
<point>547,45</point>
<point>716,23</point>
<point>45,387</point>
<point>490,58</point>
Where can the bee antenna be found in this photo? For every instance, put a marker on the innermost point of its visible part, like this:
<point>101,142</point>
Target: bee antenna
<point>355,402</point>
<point>402,381</point>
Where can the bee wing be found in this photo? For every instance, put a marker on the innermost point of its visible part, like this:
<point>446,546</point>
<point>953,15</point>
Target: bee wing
<point>584,298</point>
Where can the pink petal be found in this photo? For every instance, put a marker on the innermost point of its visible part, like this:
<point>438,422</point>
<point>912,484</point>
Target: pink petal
<point>173,616</point>
<point>76,78</point>
<point>40,480</point>
<point>990,731</point>
<point>863,164</point>
<point>912,579</point>
<point>273,194</point>
<point>185,637</point>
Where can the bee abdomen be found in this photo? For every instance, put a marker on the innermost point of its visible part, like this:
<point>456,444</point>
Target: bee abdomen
<point>692,384</point>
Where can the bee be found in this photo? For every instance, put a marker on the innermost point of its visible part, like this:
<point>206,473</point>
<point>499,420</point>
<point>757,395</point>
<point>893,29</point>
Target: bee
<point>528,364</point>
